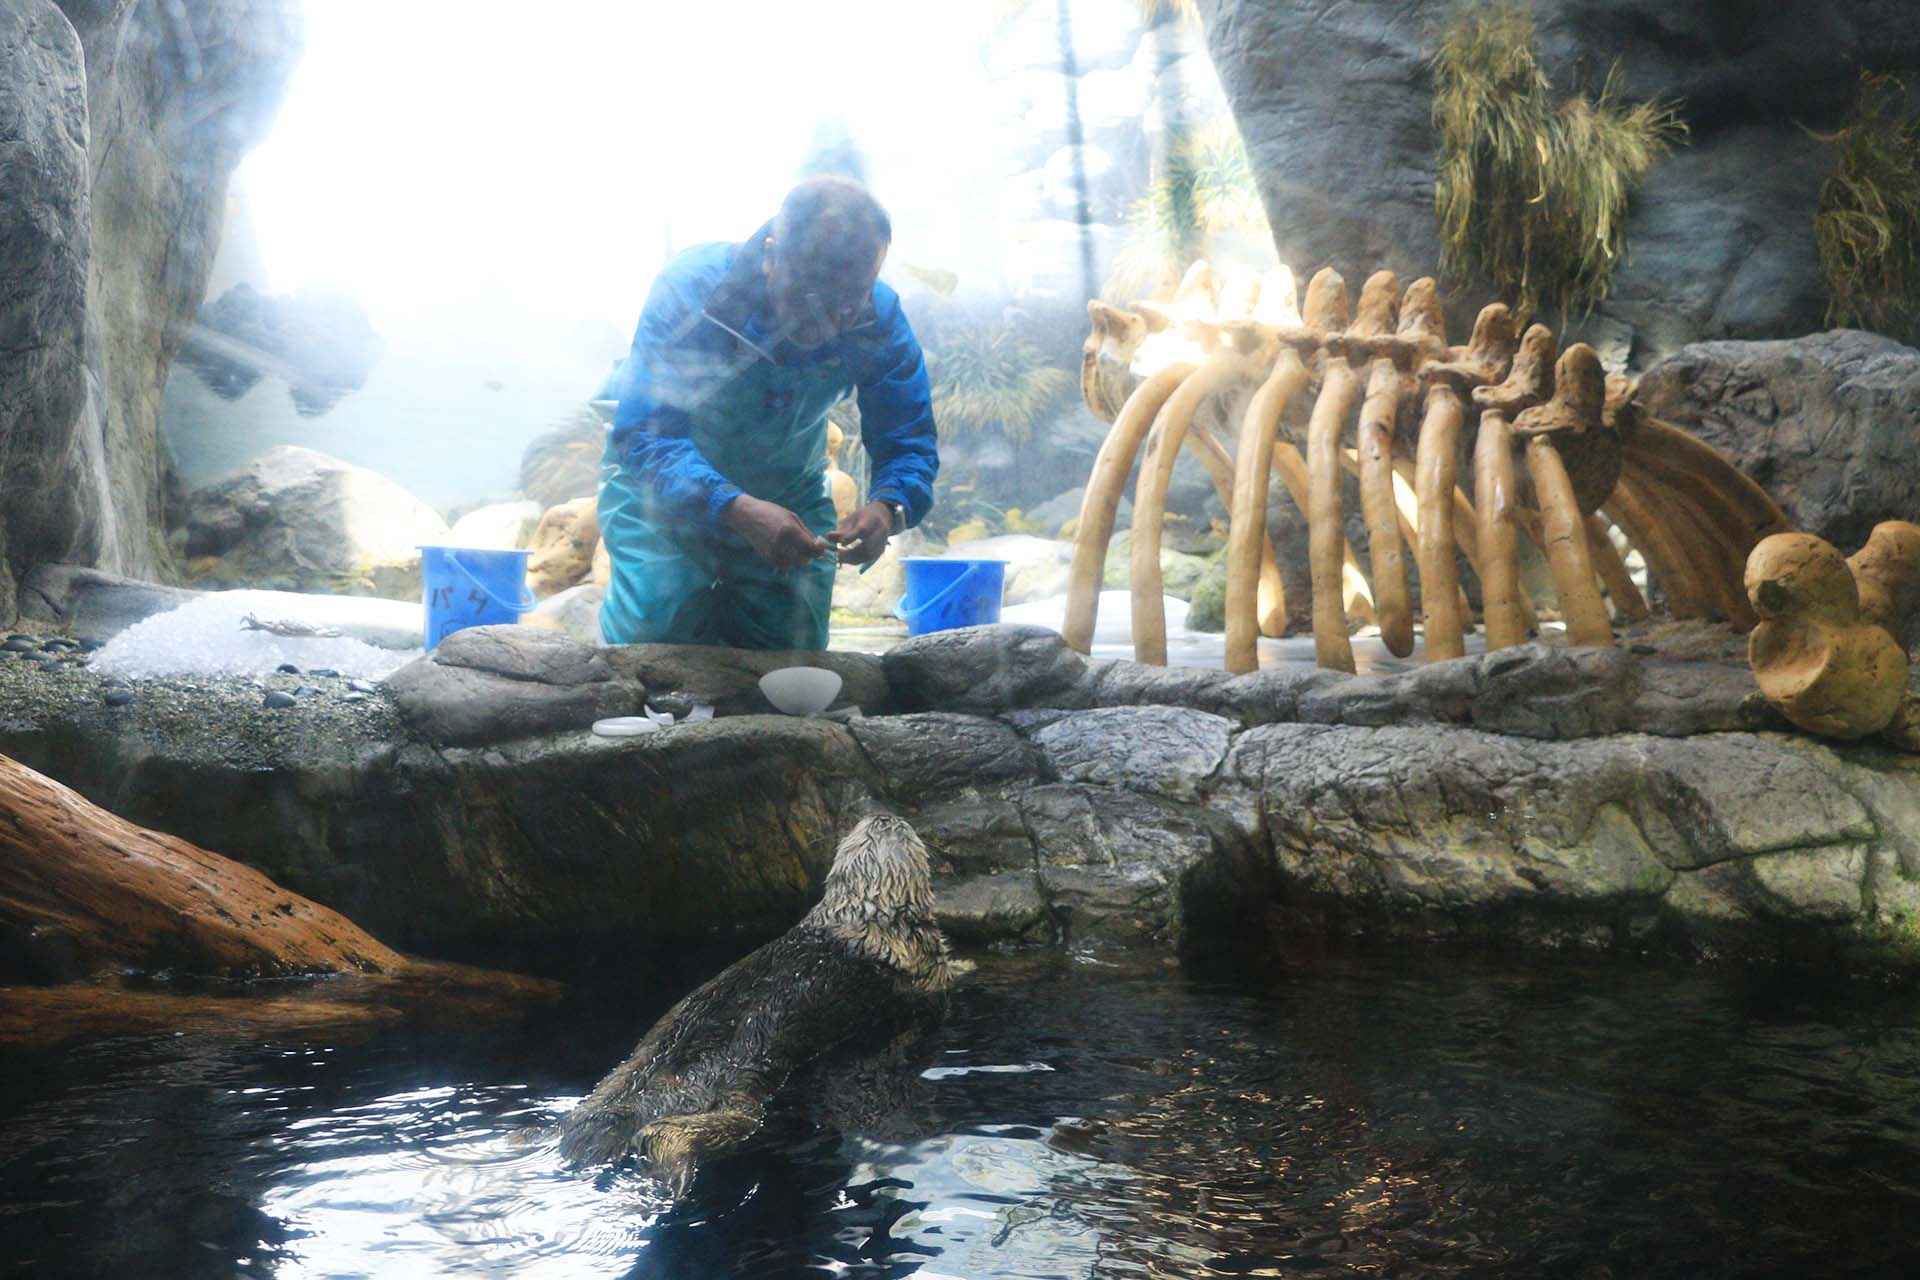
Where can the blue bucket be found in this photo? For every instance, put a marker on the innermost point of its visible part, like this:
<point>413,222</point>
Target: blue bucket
<point>944,593</point>
<point>471,587</point>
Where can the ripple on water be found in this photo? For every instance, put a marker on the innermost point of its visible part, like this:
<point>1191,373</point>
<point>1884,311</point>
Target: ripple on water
<point>1381,1116</point>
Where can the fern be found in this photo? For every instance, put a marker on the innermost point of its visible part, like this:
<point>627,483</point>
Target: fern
<point>1531,193</point>
<point>1867,224</point>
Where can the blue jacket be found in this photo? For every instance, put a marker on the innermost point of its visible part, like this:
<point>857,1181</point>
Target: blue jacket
<point>706,319</point>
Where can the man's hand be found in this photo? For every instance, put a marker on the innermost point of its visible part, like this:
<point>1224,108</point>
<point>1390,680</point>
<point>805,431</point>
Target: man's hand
<point>780,537</point>
<point>863,535</point>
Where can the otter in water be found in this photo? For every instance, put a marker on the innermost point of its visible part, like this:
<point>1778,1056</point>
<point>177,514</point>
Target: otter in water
<point>867,962</point>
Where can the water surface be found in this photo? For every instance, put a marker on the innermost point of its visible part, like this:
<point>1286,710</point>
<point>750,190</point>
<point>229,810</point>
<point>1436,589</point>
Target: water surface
<point>1410,1113</point>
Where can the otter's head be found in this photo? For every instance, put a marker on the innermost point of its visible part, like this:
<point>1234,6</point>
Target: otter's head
<point>879,898</point>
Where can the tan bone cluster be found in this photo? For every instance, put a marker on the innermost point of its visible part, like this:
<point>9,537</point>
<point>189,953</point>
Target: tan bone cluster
<point>1829,650</point>
<point>1559,452</point>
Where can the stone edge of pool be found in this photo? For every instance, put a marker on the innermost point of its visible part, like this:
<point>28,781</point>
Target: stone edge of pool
<point>1601,798</point>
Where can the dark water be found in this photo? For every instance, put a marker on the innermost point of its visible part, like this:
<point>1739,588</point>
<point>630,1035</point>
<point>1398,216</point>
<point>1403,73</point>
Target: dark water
<point>1413,1115</point>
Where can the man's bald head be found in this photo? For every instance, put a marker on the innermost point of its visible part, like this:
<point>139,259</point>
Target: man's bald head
<point>823,256</point>
<point>832,213</point>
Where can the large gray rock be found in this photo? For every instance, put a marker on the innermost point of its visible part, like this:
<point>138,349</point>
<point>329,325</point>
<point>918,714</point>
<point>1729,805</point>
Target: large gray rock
<point>1825,424</point>
<point>123,121</point>
<point>1164,751</point>
<point>297,520</point>
<point>93,606</point>
<point>1768,844</point>
<point>487,685</point>
<point>983,670</point>
<point>43,293</point>
<point>1334,103</point>
<point>932,755</point>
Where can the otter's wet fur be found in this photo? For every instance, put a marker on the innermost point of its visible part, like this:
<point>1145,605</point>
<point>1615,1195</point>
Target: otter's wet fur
<point>865,962</point>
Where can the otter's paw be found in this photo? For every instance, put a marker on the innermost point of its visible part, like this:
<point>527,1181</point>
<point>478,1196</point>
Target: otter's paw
<point>676,1145</point>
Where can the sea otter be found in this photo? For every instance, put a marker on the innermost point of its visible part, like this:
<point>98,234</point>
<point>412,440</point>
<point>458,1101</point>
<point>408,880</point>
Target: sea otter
<point>867,963</point>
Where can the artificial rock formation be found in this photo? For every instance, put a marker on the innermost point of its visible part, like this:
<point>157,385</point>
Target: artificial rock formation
<point>564,547</point>
<point>1554,445</point>
<point>1597,796</point>
<point>295,519</point>
<point>123,122</point>
<point>1341,142</point>
<point>1825,651</point>
<point>1825,423</point>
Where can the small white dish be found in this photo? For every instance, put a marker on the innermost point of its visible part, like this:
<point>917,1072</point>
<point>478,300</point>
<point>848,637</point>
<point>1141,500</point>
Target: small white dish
<point>625,726</point>
<point>801,691</point>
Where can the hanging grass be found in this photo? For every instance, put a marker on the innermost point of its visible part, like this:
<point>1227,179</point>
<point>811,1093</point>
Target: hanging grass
<point>1867,225</point>
<point>1204,185</point>
<point>1532,193</point>
<point>984,377</point>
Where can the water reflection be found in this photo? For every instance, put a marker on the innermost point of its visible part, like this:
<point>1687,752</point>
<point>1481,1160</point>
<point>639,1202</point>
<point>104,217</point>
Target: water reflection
<point>1418,1116</point>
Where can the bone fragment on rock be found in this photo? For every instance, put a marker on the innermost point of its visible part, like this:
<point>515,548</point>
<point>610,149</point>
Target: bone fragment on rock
<point>1814,657</point>
<point>1887,572</point>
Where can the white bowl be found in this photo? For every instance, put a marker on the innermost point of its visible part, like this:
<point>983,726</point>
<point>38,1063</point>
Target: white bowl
<point>801,691</point>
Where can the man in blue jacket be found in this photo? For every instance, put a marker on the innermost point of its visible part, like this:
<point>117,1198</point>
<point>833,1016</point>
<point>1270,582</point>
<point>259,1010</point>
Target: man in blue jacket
<point>713,496</point>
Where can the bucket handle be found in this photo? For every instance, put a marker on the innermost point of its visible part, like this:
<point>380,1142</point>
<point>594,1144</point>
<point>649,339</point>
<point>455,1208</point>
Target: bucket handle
<point>527,605</point>
<point>901,612</point>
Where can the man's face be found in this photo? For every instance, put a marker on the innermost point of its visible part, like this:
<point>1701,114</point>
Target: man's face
<point>822,288</point>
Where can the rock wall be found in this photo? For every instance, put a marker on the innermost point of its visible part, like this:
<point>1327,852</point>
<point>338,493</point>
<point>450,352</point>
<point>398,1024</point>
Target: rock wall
<point>1333,101</point>
<point>1604,797</point>
<point>124,120</point>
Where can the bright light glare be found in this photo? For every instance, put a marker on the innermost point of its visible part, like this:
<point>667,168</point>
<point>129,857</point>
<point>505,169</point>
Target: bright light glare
<point>461,164</point>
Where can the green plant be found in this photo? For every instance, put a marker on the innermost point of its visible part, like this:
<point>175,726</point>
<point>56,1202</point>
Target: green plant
<point>1867,224</point>
<point>1204,185</point>
<point>986,376</point>
<point>1532,193</point>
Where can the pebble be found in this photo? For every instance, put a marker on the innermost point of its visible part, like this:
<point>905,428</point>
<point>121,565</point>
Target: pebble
<point>1641,648</point>
<point>278,699</point>
<point>362,686</point>
<point>354,697</point>
<point>59,643</point>
<point>20,644</point>
<point>114,682</point>
<point>289,668</point>
<point>118,697</point>
<point>325,671</point>
<point>305,691</point>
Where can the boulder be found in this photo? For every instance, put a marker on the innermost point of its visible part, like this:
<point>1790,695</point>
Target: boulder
<point>297,520</point>
<point>982,670</point>
<point>930,756</point>
<point>1180,572</point>
<point>574,612</point>
<point>498,526</point>
<point>1164,751</point>
<point>502,683</point>
<point>116,175</point>
<point>82,891</point>
<point>563,547</point>
<point>1147,825</point>
<point>563,462</point>
<point>1056,512</point>
<point>874,593</point>
<point>1718,241</point>
<point>93,606</point>
<point>1825,424</point>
